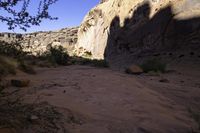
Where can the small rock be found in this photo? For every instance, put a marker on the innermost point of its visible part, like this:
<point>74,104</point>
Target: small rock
<point>191,53</point>
<point>134,69</point>
<point>20,83</point>
<point>164,80</point>
<point>182,55</point>
<point>48,95</point>
<point>34,117</point>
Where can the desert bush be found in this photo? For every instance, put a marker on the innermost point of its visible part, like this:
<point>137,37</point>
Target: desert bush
<point>195,115</point>
<point>56,55</point>
<point>40,117</point>
<point>12,50</point>
<point>91,62</point>
<point>25,67</point>
<point>99,63</point>
<point>87,54</point>
<point>154,65</point>
<point>17,115</point>
<point>16,56</point>
<point>7,66</point>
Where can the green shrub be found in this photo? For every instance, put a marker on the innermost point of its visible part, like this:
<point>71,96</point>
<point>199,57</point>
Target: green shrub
<point>87,54</point>
<point>154,65</point>
<point>12,50</point>
<point>86,61</point>
<point>7,66</point>
<point>56,55</point>
<point>195,115</point>
<point>100,63</point>
<point>26,68</point>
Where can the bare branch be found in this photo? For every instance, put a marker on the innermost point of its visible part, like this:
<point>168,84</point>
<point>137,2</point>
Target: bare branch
<point>23,19</point>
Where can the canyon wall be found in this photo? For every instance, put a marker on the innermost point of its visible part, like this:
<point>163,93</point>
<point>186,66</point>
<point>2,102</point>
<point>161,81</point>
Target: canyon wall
<point>36,43</point>
<point>124,32</point>
<point>127,31</point>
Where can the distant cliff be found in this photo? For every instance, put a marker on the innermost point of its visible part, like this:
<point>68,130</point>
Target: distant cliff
<point>37,42</point>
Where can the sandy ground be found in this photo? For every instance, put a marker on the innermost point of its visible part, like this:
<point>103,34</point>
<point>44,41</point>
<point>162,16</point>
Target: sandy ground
<point>107,101</point>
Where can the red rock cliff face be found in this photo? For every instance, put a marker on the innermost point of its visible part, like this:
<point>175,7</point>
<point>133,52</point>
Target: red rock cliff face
<point>127,31</point>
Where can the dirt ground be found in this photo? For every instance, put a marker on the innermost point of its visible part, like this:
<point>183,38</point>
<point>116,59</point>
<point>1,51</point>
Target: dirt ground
<point>107,101</point>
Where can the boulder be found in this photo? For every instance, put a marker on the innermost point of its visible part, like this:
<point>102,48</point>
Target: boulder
<point>134,69</point>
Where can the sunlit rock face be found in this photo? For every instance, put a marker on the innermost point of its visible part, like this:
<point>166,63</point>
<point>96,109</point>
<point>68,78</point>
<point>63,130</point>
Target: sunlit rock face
<point>102,1</point>
<point>121,31</point>
<point>36,43</point>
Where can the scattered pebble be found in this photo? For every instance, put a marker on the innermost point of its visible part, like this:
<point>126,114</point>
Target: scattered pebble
<point>164,80</point>
<point>191,53</point>
<point>181,55</point>
<point>34,118</point>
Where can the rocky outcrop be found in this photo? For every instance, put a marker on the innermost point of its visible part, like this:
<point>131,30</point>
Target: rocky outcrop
<point>36,43</point>
<point>102,1</point>
<point>122,31</point>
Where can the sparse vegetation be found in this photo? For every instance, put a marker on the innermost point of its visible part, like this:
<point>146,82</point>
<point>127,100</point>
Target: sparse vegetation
<point>26,68</point>
<point>41,117</point>
<point>7,66</point>
<point>14,50</point>
<point>99,63</point>
<point>14,114</point>
<point>91,62</point>
<point>195,115</point>
<point>56,56</point>
<point>87,54</point>
<point>12,57</point>
<point>154,65</point>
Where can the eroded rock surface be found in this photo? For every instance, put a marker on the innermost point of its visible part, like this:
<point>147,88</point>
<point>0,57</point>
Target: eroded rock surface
<point>121,31</point>
<point>37,42</point>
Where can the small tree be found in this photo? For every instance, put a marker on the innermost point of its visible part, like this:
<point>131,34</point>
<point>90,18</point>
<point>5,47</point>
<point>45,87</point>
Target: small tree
<point>22,18</point>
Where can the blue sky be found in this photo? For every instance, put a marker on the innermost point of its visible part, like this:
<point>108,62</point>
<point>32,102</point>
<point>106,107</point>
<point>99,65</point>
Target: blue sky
<point>69,12</point>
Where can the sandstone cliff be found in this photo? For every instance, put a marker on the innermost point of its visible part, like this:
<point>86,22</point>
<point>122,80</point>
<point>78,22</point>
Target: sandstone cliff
<point>122,31</point>
<point>36,43</point>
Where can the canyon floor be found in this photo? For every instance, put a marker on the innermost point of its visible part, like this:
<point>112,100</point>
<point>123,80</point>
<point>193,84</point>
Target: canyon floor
<point>102,100</point>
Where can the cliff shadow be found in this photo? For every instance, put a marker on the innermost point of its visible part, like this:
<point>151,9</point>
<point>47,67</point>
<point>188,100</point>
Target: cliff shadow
<point>160,36</point>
